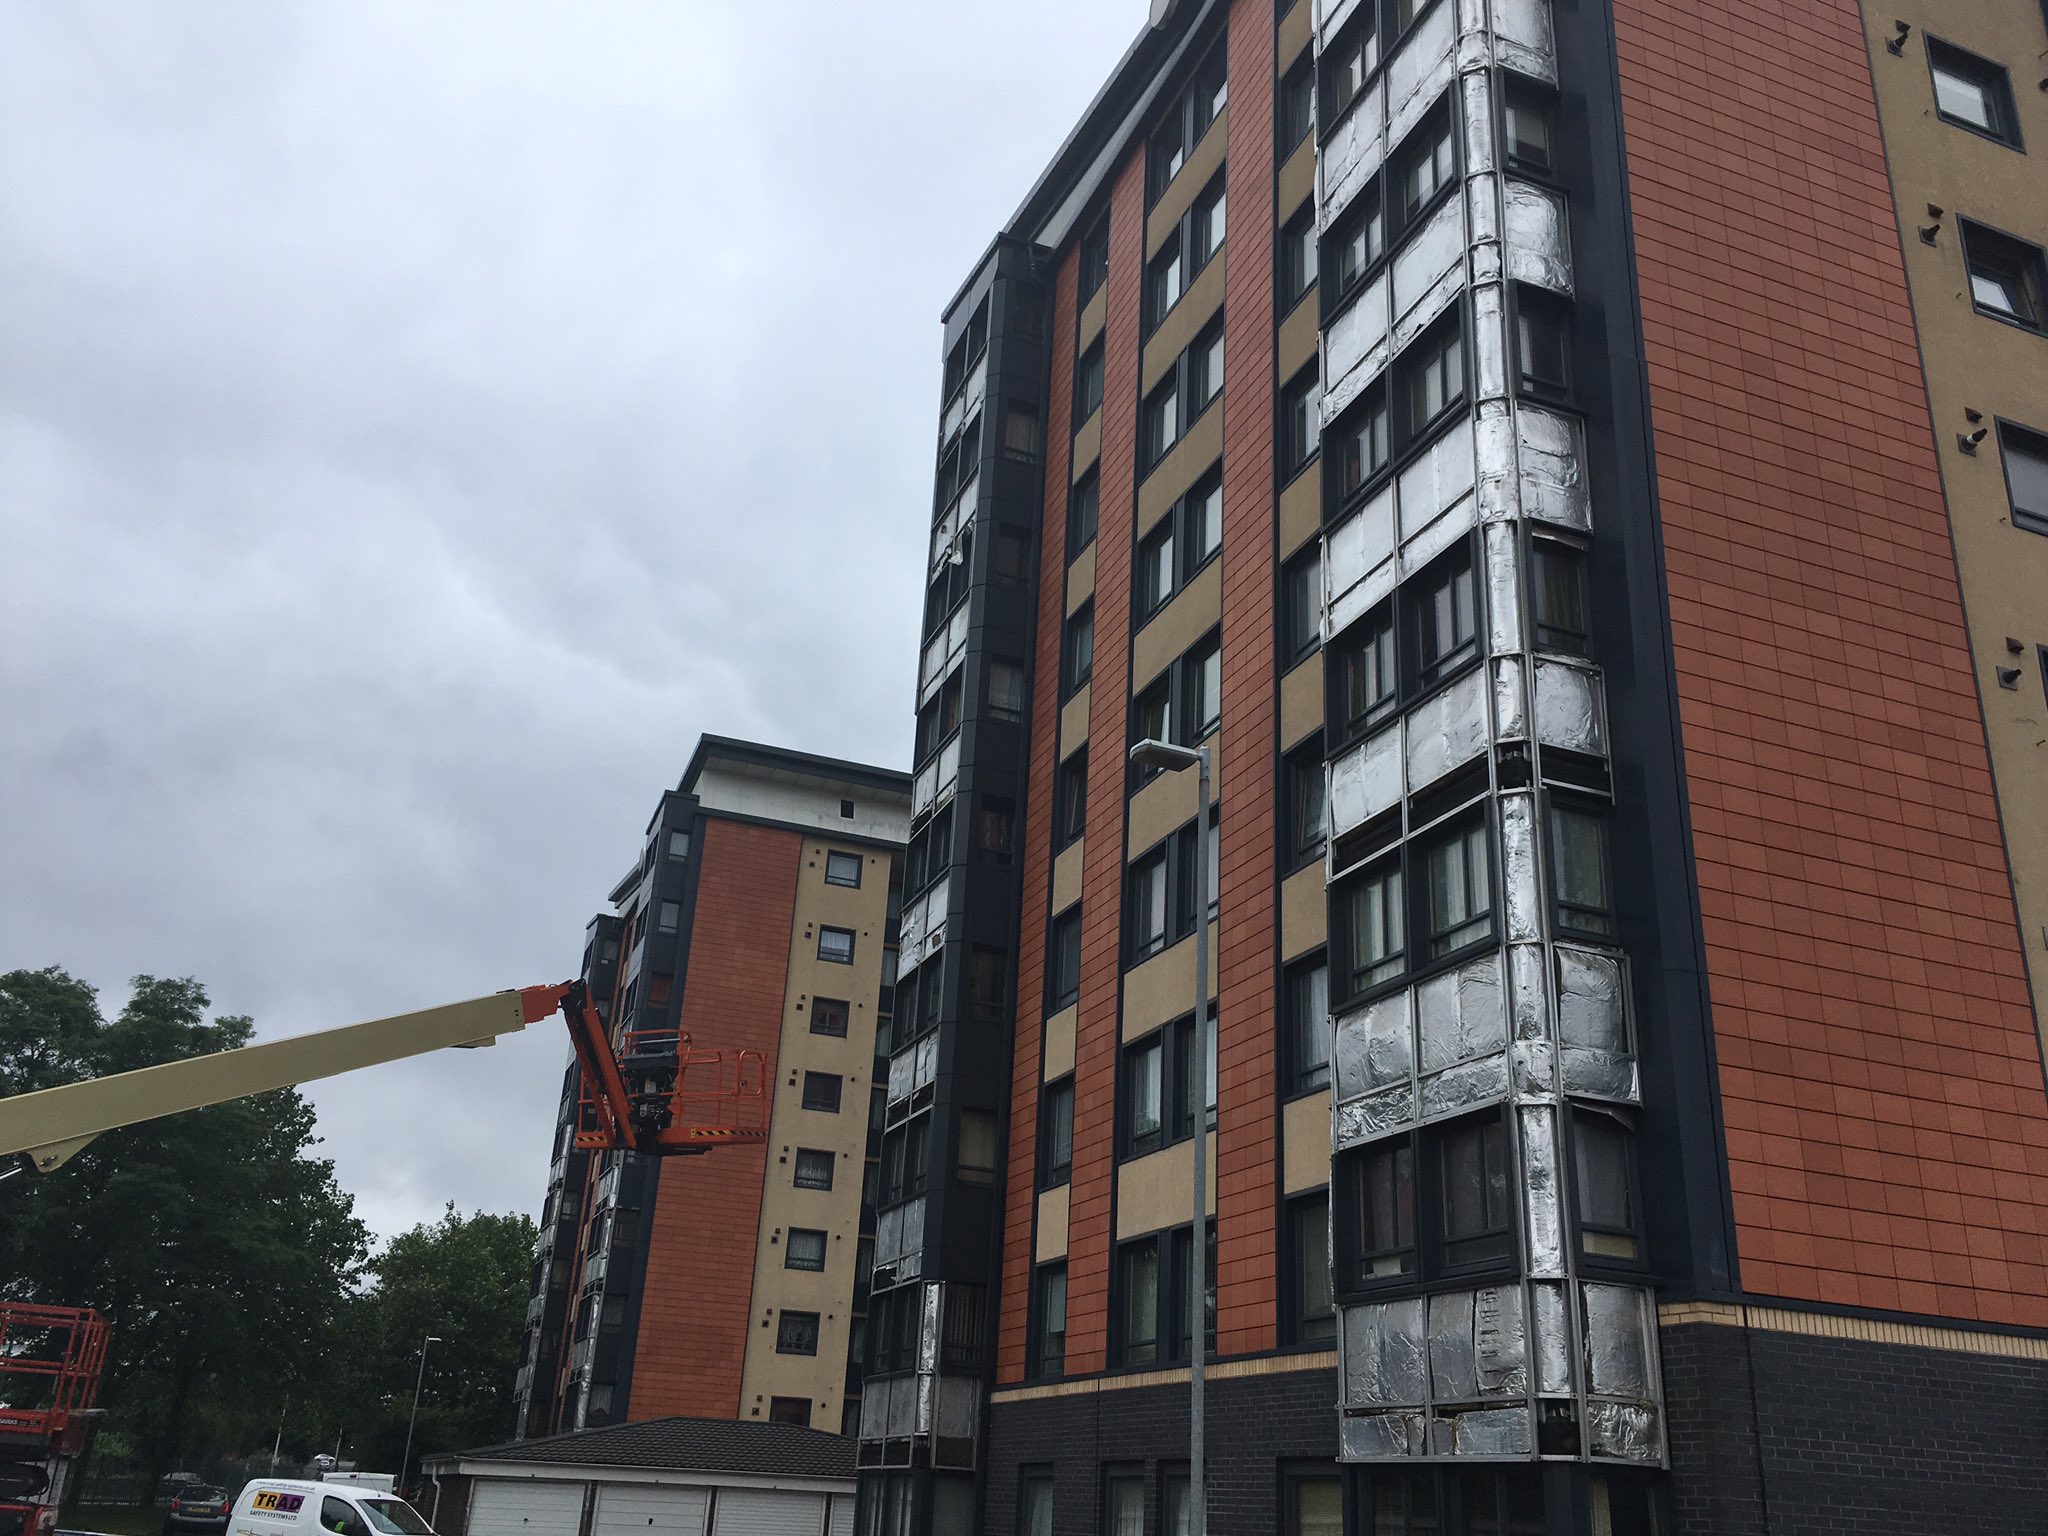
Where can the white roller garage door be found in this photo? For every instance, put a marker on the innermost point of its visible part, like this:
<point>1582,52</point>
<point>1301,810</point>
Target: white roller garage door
<point>842,1514</point>
<point>768,1512</point>
<point>503,1507</point>
<point>641,1509</point>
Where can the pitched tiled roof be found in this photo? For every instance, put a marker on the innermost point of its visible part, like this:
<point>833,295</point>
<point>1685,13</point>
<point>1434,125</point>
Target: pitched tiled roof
<point>679,1445</point>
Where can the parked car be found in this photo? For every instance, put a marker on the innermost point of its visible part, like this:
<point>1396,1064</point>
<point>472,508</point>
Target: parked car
<point>195,1508</point>
<point>291,1507</point>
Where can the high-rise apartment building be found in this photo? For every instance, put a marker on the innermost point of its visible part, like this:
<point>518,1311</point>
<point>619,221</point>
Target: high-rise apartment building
<point>760,913</point>
<point>1588,497</point>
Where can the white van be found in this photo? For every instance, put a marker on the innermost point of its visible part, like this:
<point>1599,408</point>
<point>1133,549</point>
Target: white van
<point>273,1506</point>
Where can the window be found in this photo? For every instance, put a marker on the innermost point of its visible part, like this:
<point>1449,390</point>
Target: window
<point>1123,1506</point>
<point>1425,165</point>
<point>1349,62</point>
<point>821,1091</point>
<point>1206,226</point>
<point>988,970</point>
<point>804,1249</point>
<point>975,1161</point>
<point>1305,803</point>
<point>669,916</point>
<point>1301,605</point>
<point>1094,259</point>
<point>1088,384</point>
<point>1082,511</point>
<point>906,1159</point>
<point>1202,678</point>
<point>1558,588</point>
<point>1363,683</point>
<point>1147,903</point>
<point>1063,966</point>
<point>1173,1504</point>
<point>1310,1315</point>
<point>1021,437</point>
<point>1006,690</point>
<point>967,348</point>
<point>796,1333</point>
<point>679,845</point>
<point>1973,93</point>
<point>1161,424</point>
<point>836,945</point>
<point>1301,425</point>
<point>1446,623</point>
<point>1049,1342</point>
<point>789,1410</point>
<point>1010,562</point>
<point>1356,244</point>
<point>1157,569</point>
<point>1430,379</point>
<point>1165,281</point>
<point>995,826</point>
<point>1153,718</point>
<point>1478,1218</point>
<point>658,985</point>
<point>1457,874</point>
<point>1186,120</point>
<point>1145,1096</point>
<point>1364,448</point>
<point>1151,1279</point>
<point>1372,926</point>
<point>1297,112</point>
<point>1603,1167</point>
<point>1297,258</point>
<point>1077,650</point>
<point>842,869</point>
<point>1138,1283</point>
<point>1056,1134</point>
<point>1543,343</point>
<point>1070,800</point>
<point>814,1168</point>
<point>1578,869</point>
<point>1315,1507</point>
<point>1034,1505</point>
<point>1159,1082</point>
<point>1205,370</point>
<point>1527,127</point>
<point>339,1516</point>
<point>1180,544</point>
<point>1307,1043</point>
<point>829,1016</point>
<point>1383,1212</point>
<point>2026,475</point>
<point>2006,275</point>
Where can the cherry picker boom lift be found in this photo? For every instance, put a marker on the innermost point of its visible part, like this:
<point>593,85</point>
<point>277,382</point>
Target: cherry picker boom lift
<point>655,1092</point>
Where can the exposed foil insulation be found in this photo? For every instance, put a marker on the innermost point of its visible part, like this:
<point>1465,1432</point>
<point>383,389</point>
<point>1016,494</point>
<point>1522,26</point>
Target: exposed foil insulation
<point>1349,158</point>
<point>1492,1432</point>
<point>1461,1015</point>
<point>1417,318</point>
<point>1500,1343</point>
<point>1553,468</point>
<point>965,404</point>
<point>1447,730</point>
<point>1498,498</point>
<point>1592,1009</point>
<point>1530,999</point>
<point>1428,256</point>
<point>1453,1358</point>
<point>1601,1075</point>
<point>1624,1431</point>
<point>1538,242</point>
<point>1510,714</point>
<point>1524,39</point>
<point>928,1327</point>
<point>1466,1086</point>
<point>1535,1069</point>
<point>1355,348</point>
<point>1357,547</point>
<point>1365,781</point>
<point>1375,1047</point>
<point>1489,342</point>
<point>1385,1359</point>
<point>913,1069</point>
<point>1521,885</point>
<point>1550,1337</point>
<point>1541,1192</point>
<point>1475,105</point>
<point>1379,1436</point>
<point>1503,592</point>
<point>927,1389</point>
<point>1418,70</point>
<point>1618,1341</point>
<point>1369,1118</point>
<point>1570,710</point>
<point>1440,479</point>
<point>959,1407</point>
<point>1330,15</point>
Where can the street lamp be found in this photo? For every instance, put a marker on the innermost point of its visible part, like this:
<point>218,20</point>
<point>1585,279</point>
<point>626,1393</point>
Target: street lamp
<point>418,1382</point>
<point>1165,756</point>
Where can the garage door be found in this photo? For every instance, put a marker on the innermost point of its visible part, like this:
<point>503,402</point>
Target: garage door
<point>842,1514</point>
<point>504,1507</point>
<point>639,1509</point>
<point>768,1512</point>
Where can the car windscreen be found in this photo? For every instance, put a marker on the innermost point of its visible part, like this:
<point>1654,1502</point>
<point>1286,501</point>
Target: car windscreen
<point>395,1517</point>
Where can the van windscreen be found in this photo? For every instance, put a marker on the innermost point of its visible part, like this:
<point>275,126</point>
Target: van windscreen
<point>395,1517</point>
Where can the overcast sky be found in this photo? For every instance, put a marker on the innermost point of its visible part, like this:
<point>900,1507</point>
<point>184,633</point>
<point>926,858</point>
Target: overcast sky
<point>418,422</point>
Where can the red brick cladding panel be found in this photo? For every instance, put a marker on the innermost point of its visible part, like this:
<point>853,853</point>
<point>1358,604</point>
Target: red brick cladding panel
<point>697,1308</point>
<point>1880,1074</point>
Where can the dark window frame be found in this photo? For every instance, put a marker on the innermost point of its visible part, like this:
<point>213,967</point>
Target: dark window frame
<point>1092,261</point>
<point>1521,94</point>
<point>1536,307</point>
<point>1292,1480</point>
<point>1302,1075</point>
<point>814,1095</point>
<point>796,1173</point>
<point>1062,924</point>
<point>825,1022</point>
<point>1176,527</point>
<point>790,1341</point>
<point>1300,400</point>
<point>1443,347</point>
<point>1047,1363</point>
<point>851,939</point>
<point>1580,1120</point>
<point>1416,959</point>
<point>1075,669</point>
<point>1177,384</point>
<point>1084,507</point>
<point>1053,1173</point>
<point>1301,846</point>
<point>1172,1249</point>
<point>1179,1075</point>
<point>1360,647</point>
<point>1182,127</point>
<point>1301,618</point>
<point>1070,799</point>
<point>1088,368</point>
<point>2033,444</point>
<point>1300,259</point>
<point>1426,1251</point>
<point>1299,1325</point>
<point>1294,108</point>
<point>859,864</point>
<point>1368,420</point>
<point>789,1259</point>
<point>1550,630</point>
<point>1380,201</point>
<point>2004,255</point>
<point>1987,73</point>
<point>1179,683</point>
<point>1569,919</point>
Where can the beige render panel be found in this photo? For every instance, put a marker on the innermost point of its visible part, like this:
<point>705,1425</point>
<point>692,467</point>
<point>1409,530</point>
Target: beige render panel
<point>1093,315</point>
<point>1066,875</point>
<point>1201,303</point>
<point>1976,363</point>
<point>1305,1138</point>
<point>1185,463</point>
<point>1169,801</point>
<point>1087,447</point>
<point>1291,39</point>
<point>1181,192</point>
<point>1158,1190</point>
<point>1301,701</point>
<point>1074,721</point>
<point>1190,614</point>
<point>1304,911</point>
<point>1081,578</point>
<point>1299,336</point>
<point>1059,1042</point>
<point>1052,1224</point>
<point>1163,987</point>
<point>1301,507</point>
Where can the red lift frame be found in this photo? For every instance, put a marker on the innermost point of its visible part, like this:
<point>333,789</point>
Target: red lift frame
<point>69,1347</point>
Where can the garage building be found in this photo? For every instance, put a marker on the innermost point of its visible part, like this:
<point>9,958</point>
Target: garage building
<point>662,1477</point>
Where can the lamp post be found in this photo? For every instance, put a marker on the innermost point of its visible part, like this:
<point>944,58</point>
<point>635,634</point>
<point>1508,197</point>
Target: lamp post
<point>418,1382</point>
<point>1165,755</point>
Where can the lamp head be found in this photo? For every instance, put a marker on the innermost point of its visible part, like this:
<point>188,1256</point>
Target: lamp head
<point>1164,755</point>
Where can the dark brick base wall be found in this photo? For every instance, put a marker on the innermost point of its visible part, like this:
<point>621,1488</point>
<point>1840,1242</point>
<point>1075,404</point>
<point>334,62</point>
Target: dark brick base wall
<point>1859,1438</point>
<point>1257,1425</point>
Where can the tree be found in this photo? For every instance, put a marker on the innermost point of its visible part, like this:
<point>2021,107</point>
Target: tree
<point>215,1242</point>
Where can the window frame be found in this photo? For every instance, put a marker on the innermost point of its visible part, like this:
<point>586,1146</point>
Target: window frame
<point>1175,530</point>
<point>1409,862</point>
<point>1195,109</point>
<point>824,1246</point>
<point>1092,261</point>
<point>1546,631</point>
<point>1300,846</point>
<point>1989,73</point>
<point>835,854</point>
<point>796,1172</point>
<point>1539,306</point>
<point>1076,671</point>
<point>1045,1364</point>
<point>1565,917</point>
<point>836,959</point>
<point>1084,492</point>
<point>1380,203</point>
<point>1300,259</point>
<point>1300,404</point>
<point>812,1091</point>
<point>2013,257</point>
<point>1172,1045</point>
<point>1052,1173</point>
<point>1295,99</point>
<point>1178,687</point>
<point>1062,924</point>
<point>1070,799</point>
<point>1088,369</point>
<point>1301,613</point>
<point>1428,1237</point>
<point>1519,94</point>
<point>1177,386</point>
<point>783,1318</point>
<point>1299,1327</point>
<point>1616,1121</point>
<point>2033,445</point>
<point>1304,1076</point>
<point>822,1015</point>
